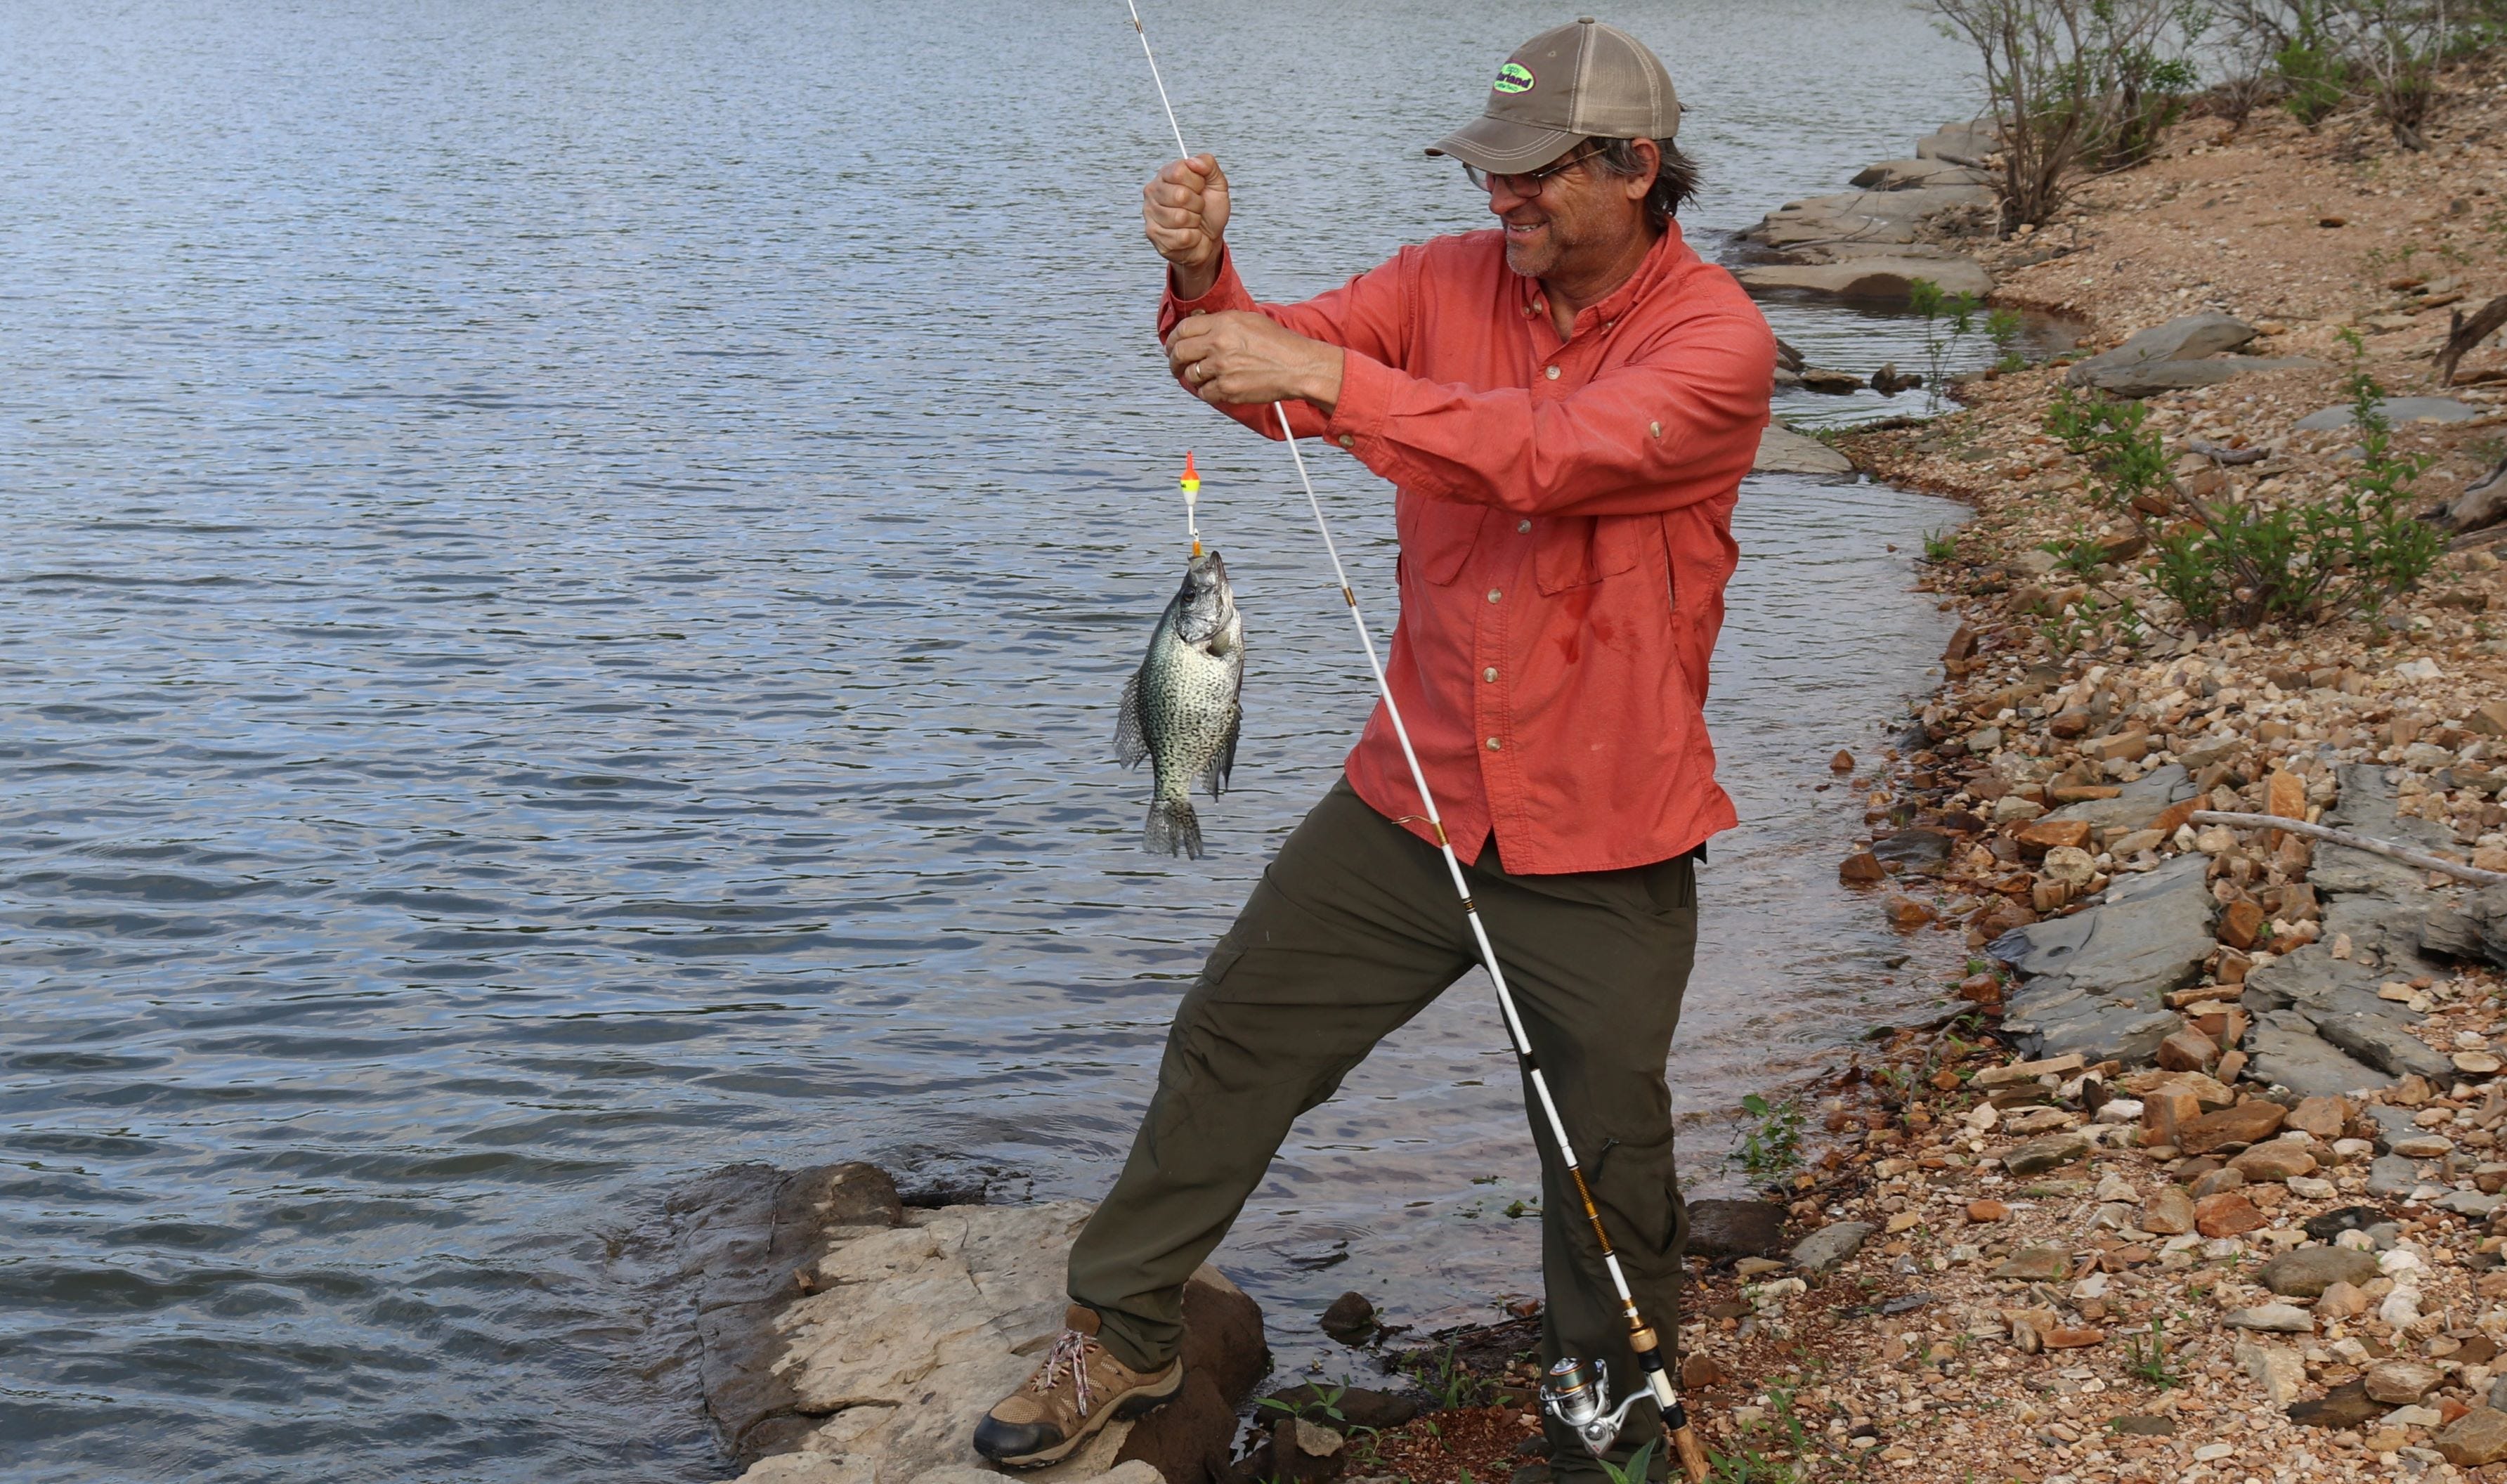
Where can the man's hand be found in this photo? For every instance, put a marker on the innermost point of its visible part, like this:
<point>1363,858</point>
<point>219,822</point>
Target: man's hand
<point>1185,207</point>
<point>1239,357</point>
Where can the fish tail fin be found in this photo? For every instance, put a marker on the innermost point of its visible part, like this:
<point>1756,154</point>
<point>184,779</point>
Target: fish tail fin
<point>1173,828</point>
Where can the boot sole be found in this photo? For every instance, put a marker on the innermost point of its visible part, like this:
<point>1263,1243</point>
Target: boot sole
<point>1139,1403</point>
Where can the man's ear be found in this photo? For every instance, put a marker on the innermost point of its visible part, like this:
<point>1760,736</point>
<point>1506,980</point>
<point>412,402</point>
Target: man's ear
<point>1637,186</point>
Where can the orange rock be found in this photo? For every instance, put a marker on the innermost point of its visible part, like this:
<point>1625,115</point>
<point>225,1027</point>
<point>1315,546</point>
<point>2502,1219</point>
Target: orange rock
<point>2285,794</point>
<point>1844,762</point>
<point>1982,1212</point>
<point>2231,1063</point>
<point>2046,834</point>
<point>2225,1214</point>
<point>1862,869</point>
<point>2165,1111</point>
<point>1698,1371</point>
<point>1962,644</point>
<point>2244,1123</point>
<point>1981,988</point>
<point>2323,1117</point>
<point>2177,815</point>
<point>2240,924</point>
<point>2072,1339</point>
<point>2188,1050</point>
<point>1906,912</point>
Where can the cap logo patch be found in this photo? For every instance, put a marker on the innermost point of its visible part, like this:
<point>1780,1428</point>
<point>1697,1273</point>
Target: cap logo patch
<point>1513,77</point>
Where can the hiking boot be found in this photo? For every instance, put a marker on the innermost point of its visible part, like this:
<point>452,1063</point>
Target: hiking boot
<point>1078,1388</point>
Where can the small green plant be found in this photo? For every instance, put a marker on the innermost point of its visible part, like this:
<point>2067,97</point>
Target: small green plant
<point>1940,545</point>
<point>2002,327</point>
<point>1948,320</point>
<point>2147,1358</point>
<point>1449,1381</point>
<point>1633,1471</point>
<point>1773,1145</point>
<point>1327,1401</point>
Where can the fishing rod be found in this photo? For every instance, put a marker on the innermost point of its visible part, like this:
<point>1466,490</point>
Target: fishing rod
<point>1575,1392</point>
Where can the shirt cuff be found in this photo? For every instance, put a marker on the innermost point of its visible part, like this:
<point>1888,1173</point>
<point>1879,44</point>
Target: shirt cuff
<point>1226,292</point>
<point>1365,405</point>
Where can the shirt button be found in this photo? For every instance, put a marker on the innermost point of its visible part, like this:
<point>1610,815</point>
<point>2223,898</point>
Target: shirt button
<point>1495,595</point>
<point>1492,744</point>
<point>1552,372</point>
<point>1521,527</point>
<point>1489,675</point>
<point>1656,427</point>
<point>1348,442</point>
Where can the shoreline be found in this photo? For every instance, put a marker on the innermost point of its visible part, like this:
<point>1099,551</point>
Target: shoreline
<point>2271,1247</point>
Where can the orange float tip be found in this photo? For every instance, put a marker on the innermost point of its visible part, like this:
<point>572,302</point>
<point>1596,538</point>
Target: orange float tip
<point>1191,476</point>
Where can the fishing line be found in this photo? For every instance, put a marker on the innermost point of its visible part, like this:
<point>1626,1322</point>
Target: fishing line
<point>1577,1395</point>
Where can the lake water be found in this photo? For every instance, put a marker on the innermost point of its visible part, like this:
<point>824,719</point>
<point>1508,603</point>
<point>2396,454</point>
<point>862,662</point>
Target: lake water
<point>567,567</point>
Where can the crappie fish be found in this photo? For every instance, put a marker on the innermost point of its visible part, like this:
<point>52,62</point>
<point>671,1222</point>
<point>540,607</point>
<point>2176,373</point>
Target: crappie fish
<point>1179,710</point>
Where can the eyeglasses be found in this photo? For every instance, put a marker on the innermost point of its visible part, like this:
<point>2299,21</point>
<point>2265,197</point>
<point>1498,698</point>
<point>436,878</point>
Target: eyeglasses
<point>1528,183</point>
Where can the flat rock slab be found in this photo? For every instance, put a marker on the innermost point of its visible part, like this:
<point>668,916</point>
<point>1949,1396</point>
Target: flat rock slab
<point>2397,411</point>
<point>2095,979</point>
<point>2308,1271</point>
<point>2287,1052</point>
<point>873,1359</point>
<point>1906,174</point>
<point>1782,451</point>
<point>1877,279</point>
<point>2151,378</point>
<point>2367,806</point>
<point>2188,337</point>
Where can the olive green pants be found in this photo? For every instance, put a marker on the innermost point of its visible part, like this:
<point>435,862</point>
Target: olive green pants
<point>1353,929</point>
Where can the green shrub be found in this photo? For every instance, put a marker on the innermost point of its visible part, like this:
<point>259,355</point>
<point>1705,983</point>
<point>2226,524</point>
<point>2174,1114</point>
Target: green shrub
<point>2304,561</point>
<point>2314,81</point>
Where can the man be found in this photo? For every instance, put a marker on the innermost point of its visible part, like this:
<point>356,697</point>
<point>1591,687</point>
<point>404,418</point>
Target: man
<point>1566,406</point>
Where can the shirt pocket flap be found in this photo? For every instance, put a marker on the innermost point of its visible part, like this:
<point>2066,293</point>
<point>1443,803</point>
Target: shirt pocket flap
<point>1578,550</point>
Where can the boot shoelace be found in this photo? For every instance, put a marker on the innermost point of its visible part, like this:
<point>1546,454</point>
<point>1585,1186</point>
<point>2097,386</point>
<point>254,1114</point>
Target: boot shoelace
<point>1070,1350</point>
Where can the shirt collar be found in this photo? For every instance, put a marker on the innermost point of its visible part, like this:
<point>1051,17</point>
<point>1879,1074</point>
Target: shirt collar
<point>1660,260</point>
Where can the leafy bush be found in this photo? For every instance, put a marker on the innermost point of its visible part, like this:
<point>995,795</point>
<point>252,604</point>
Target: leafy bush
<point>2075,85</point>
<point>2227,562</point>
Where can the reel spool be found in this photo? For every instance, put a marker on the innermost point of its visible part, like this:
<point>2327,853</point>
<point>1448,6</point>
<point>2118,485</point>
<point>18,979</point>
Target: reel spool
<point>1577,1393</point>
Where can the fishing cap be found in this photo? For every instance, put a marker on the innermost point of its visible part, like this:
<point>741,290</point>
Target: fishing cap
<point>1586,80</point>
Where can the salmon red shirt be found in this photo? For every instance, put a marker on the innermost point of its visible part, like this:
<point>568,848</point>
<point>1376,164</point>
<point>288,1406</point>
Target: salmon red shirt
<point>1565,513</point>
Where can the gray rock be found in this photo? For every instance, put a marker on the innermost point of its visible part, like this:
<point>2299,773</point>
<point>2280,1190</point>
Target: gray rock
<point>1826,1247</point>
<point>2498,1394</point>
<point>1878,280</point>
<point>2391,1122</point>
<point>2039,1155</point>
<point>2095,980</point>
<point>1968,144</point>
<point>2136,804</point>
<point>1782,451</point>
<point>2449,931</point>
<point>2287,1053</point>
<point>2277,1318</point>
<point>2314,982</point>
<point>2153,378</point>
<point>2366,806</point>
<point>2383,930</point>
<point>1918,850</point>
<point>2397,411</point>
<point>905,1333</point>
<point>2306,1272</point>
<point>2384,1044</point>
<point>2188,339</point>
<point>2390,1175</point>
<point>1903,174</point>
<point>2471,1203</point>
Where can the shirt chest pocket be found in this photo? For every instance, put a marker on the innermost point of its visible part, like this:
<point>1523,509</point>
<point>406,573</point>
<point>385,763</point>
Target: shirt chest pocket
<point>1578,550</point>
<point>1437,535</point>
